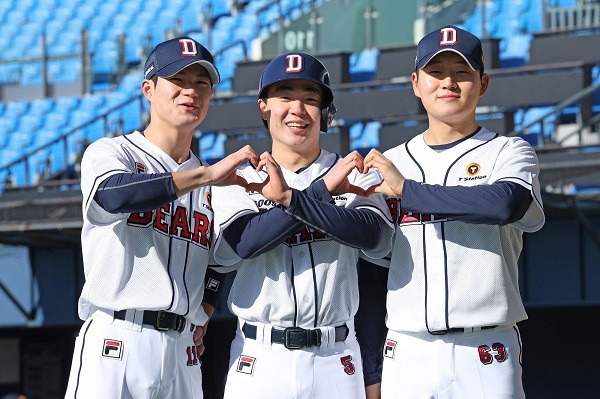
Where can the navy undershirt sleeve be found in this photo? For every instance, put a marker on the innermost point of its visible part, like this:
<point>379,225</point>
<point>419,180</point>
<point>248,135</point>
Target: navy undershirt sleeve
<point>498,203</point>
<point>213,287</point>
<point>358,228</point>
<point>256,233</point>
<point>369,321</point>
<point>253,234</point>
<point>135,192</point>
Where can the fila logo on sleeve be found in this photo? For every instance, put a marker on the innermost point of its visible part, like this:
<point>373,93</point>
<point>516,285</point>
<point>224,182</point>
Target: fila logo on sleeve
<point>212,284</point>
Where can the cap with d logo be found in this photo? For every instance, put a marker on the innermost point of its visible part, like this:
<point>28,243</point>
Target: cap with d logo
<point>171,56</point>
<point>450,38</point>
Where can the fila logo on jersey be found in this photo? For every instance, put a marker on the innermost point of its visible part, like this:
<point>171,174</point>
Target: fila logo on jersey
<point>295,63</point>
<point>472,171</point>
<point>112,349</point>
<point>245,364</point>
<point>196,229</point>
<point>188,47</point>
<point>212,284</point>
<point>140,167</point>
<point>448,37</point>
<point>390,349</point>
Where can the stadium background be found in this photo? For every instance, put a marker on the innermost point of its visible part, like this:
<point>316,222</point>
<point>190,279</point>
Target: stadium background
<point>70,73</point>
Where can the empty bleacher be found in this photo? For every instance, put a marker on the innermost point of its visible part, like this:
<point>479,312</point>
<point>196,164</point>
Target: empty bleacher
<point>373,94</point>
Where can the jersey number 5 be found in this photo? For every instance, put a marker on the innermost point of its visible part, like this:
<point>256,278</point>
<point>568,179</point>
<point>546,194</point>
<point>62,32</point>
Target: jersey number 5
<point>348,365</point>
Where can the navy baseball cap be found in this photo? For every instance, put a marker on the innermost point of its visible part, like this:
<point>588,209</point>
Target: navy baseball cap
<point>171,56</point>
<point>450,38</point>
<point>296,66</point>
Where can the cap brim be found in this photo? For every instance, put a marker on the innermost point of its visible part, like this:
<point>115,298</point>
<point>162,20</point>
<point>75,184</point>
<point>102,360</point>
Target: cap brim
<point>472,64</point>
<point>178,66</point>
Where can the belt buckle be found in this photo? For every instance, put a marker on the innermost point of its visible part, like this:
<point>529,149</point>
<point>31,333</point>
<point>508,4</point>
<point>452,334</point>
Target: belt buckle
<point>287,337</point>
<point>160,318</point>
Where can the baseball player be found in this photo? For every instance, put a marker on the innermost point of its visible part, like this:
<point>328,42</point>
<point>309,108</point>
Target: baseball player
<point>294,239</point>
<point>465,196</point>
<point>146,237</point>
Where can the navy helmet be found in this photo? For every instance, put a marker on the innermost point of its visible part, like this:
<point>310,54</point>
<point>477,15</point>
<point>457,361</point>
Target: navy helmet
<point>299,66</point>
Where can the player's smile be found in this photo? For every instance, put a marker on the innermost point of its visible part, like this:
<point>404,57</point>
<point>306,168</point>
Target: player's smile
<point>296,125</point>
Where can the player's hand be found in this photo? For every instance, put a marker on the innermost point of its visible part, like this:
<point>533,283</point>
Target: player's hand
<point>274,187</point>
<point>337,179</point>
<point>373,391</point>
<point>223,173</point>
<point>198,336</point>
<point>393,181</point>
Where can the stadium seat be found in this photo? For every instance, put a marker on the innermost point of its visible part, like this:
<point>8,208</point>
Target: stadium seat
<point>41,106</point>
<point>30,122</point>
<point>212,146</point>
<point>365,65</point>
<point>15,109</point>
<point>44,136</point>
<point>66,104</point>
<point>368,137</point>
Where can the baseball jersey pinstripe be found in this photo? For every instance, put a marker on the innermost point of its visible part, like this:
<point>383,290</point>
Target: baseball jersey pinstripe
<point>153,260</point>
<point>446,273</point>
<point>308,281</point>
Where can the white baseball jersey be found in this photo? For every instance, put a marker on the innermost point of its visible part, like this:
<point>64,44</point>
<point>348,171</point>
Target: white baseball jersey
<point>310,280</point>
<point>446,273</point>
<point>154,260</point>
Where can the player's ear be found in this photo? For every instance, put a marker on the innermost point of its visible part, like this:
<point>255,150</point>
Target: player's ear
<point>147,88</point>
<point>485,81</point>
<point>414,78</point>
<point>262,107</point>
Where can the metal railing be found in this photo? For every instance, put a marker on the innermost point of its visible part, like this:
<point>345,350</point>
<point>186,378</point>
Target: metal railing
<point>584,15</point>
<point>549,138</point>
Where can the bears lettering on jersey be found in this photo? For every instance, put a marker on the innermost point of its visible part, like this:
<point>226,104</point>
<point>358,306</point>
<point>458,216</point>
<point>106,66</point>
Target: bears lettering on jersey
<point>305,235</point>
<point>197,230</point>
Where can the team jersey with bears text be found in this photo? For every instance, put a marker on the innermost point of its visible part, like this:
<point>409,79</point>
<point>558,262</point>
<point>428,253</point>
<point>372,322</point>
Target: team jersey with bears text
<point>309,280</point>
<point>447,273</point>
<point>154,259</point>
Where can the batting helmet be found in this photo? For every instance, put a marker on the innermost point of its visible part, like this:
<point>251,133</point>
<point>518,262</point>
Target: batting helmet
<point>299,66</point>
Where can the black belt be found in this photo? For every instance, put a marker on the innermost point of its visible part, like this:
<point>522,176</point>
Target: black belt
<point>459,330</point>
<point>159,319</point>
<point>296,337</point>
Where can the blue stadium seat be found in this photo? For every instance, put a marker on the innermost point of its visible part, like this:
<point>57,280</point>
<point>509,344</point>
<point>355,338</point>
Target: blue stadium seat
<point>44,136</point>
<point>7,124</point>
<point>212,146</point>
<point>15,109</point>
<point>220,8</point>
<point>365,65</point>
<point>368,137</point>
<point>66,104</point>
<point>38,163</point>
<point>31,74</point>
<point>533,114</point>
<point>514,50</point>
<point>55,121</point>
<point>20,140</point>
<point>8,155</point>
<point>91,102</point>
<point>41,106</point>
<point>30,122</point>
